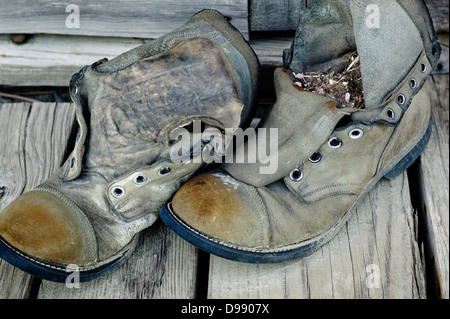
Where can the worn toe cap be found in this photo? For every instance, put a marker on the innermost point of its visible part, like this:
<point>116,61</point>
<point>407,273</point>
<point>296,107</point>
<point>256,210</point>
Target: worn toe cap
<point>223,209</point>
<point>45,227</point>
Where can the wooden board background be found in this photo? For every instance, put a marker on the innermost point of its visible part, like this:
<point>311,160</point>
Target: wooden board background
<point>434,181</point>
<point>51,52</point>
<point>381,238</point>
<point>400,230</point>
<point>112,18</point>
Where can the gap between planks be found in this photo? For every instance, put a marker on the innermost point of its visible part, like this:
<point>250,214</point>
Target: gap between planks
<point>434,188</point>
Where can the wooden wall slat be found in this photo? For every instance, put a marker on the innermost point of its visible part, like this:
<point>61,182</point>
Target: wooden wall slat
<point>113,18</point>
<point>50,60</point>
<point>153,18</point>
<point>32,146</point>
<point>275,15</point>
<point>439,10</point>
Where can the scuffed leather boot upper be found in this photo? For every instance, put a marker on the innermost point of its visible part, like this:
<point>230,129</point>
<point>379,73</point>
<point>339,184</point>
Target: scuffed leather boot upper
<point>328,155</point>
<point>120,172</point>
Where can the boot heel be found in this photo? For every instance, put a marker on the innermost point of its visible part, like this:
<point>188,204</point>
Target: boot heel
<point>411,157</point>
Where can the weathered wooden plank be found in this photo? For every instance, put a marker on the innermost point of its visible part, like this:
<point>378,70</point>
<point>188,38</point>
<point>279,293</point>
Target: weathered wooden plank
<point>443,65</point>
<point>270,49</point>
<point>51,60</point>
<point>439,13</point>
<point>32,146</point>
<point>375,255</point>
<point>114,18</point>
<point>275,15</point>
<point>435,180</point>
<point>283,15</point>
<point>163,266</point>
<point>150,19</point>
<point>13,282</point>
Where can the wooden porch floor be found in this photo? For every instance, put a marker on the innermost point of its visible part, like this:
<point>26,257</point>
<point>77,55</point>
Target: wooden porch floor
<point>395,246</point>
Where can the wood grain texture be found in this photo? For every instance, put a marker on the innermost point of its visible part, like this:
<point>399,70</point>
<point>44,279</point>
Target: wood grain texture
<point>379,239</point>
<point>443,65</point>
<point>435,180</point>
<point>51,60</point>
<point>439,13</point>
<point>152,18</point>
<point>31,148</point>
<point>33,144</point>
<point>112,18</point>
<point>275,15</point>
<point>381,233</point>
<point>269,49</point>
<point>162,267</point>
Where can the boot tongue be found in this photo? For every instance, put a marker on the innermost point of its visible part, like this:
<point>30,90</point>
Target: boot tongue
<point>294,128</point>
<point>388,45</point>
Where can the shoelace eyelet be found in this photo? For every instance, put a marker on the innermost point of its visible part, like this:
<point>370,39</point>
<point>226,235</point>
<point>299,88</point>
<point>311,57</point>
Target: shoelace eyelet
<point>139,179</point>
<point>72,163</point>
<point>118,191</point>
<point>401,99</point>
<point>355,133</point>
<point>164,171</point>
<point>334,142</point>
<point>423,67</point>
<point>296,175</point>
<point>316,157</point>
<point>390,114</point>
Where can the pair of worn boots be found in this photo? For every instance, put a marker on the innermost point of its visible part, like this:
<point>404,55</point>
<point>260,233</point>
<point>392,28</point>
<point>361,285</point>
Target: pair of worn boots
<point>152,119</point>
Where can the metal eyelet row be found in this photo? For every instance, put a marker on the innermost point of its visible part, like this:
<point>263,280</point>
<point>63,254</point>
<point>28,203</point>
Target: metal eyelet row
<point>297,174</point>
<point>401,99</point>
<point>140,179</point>
<point>356,133</point>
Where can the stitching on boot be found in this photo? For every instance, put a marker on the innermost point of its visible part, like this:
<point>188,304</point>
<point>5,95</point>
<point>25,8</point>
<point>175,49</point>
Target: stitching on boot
<point>79,212</point>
